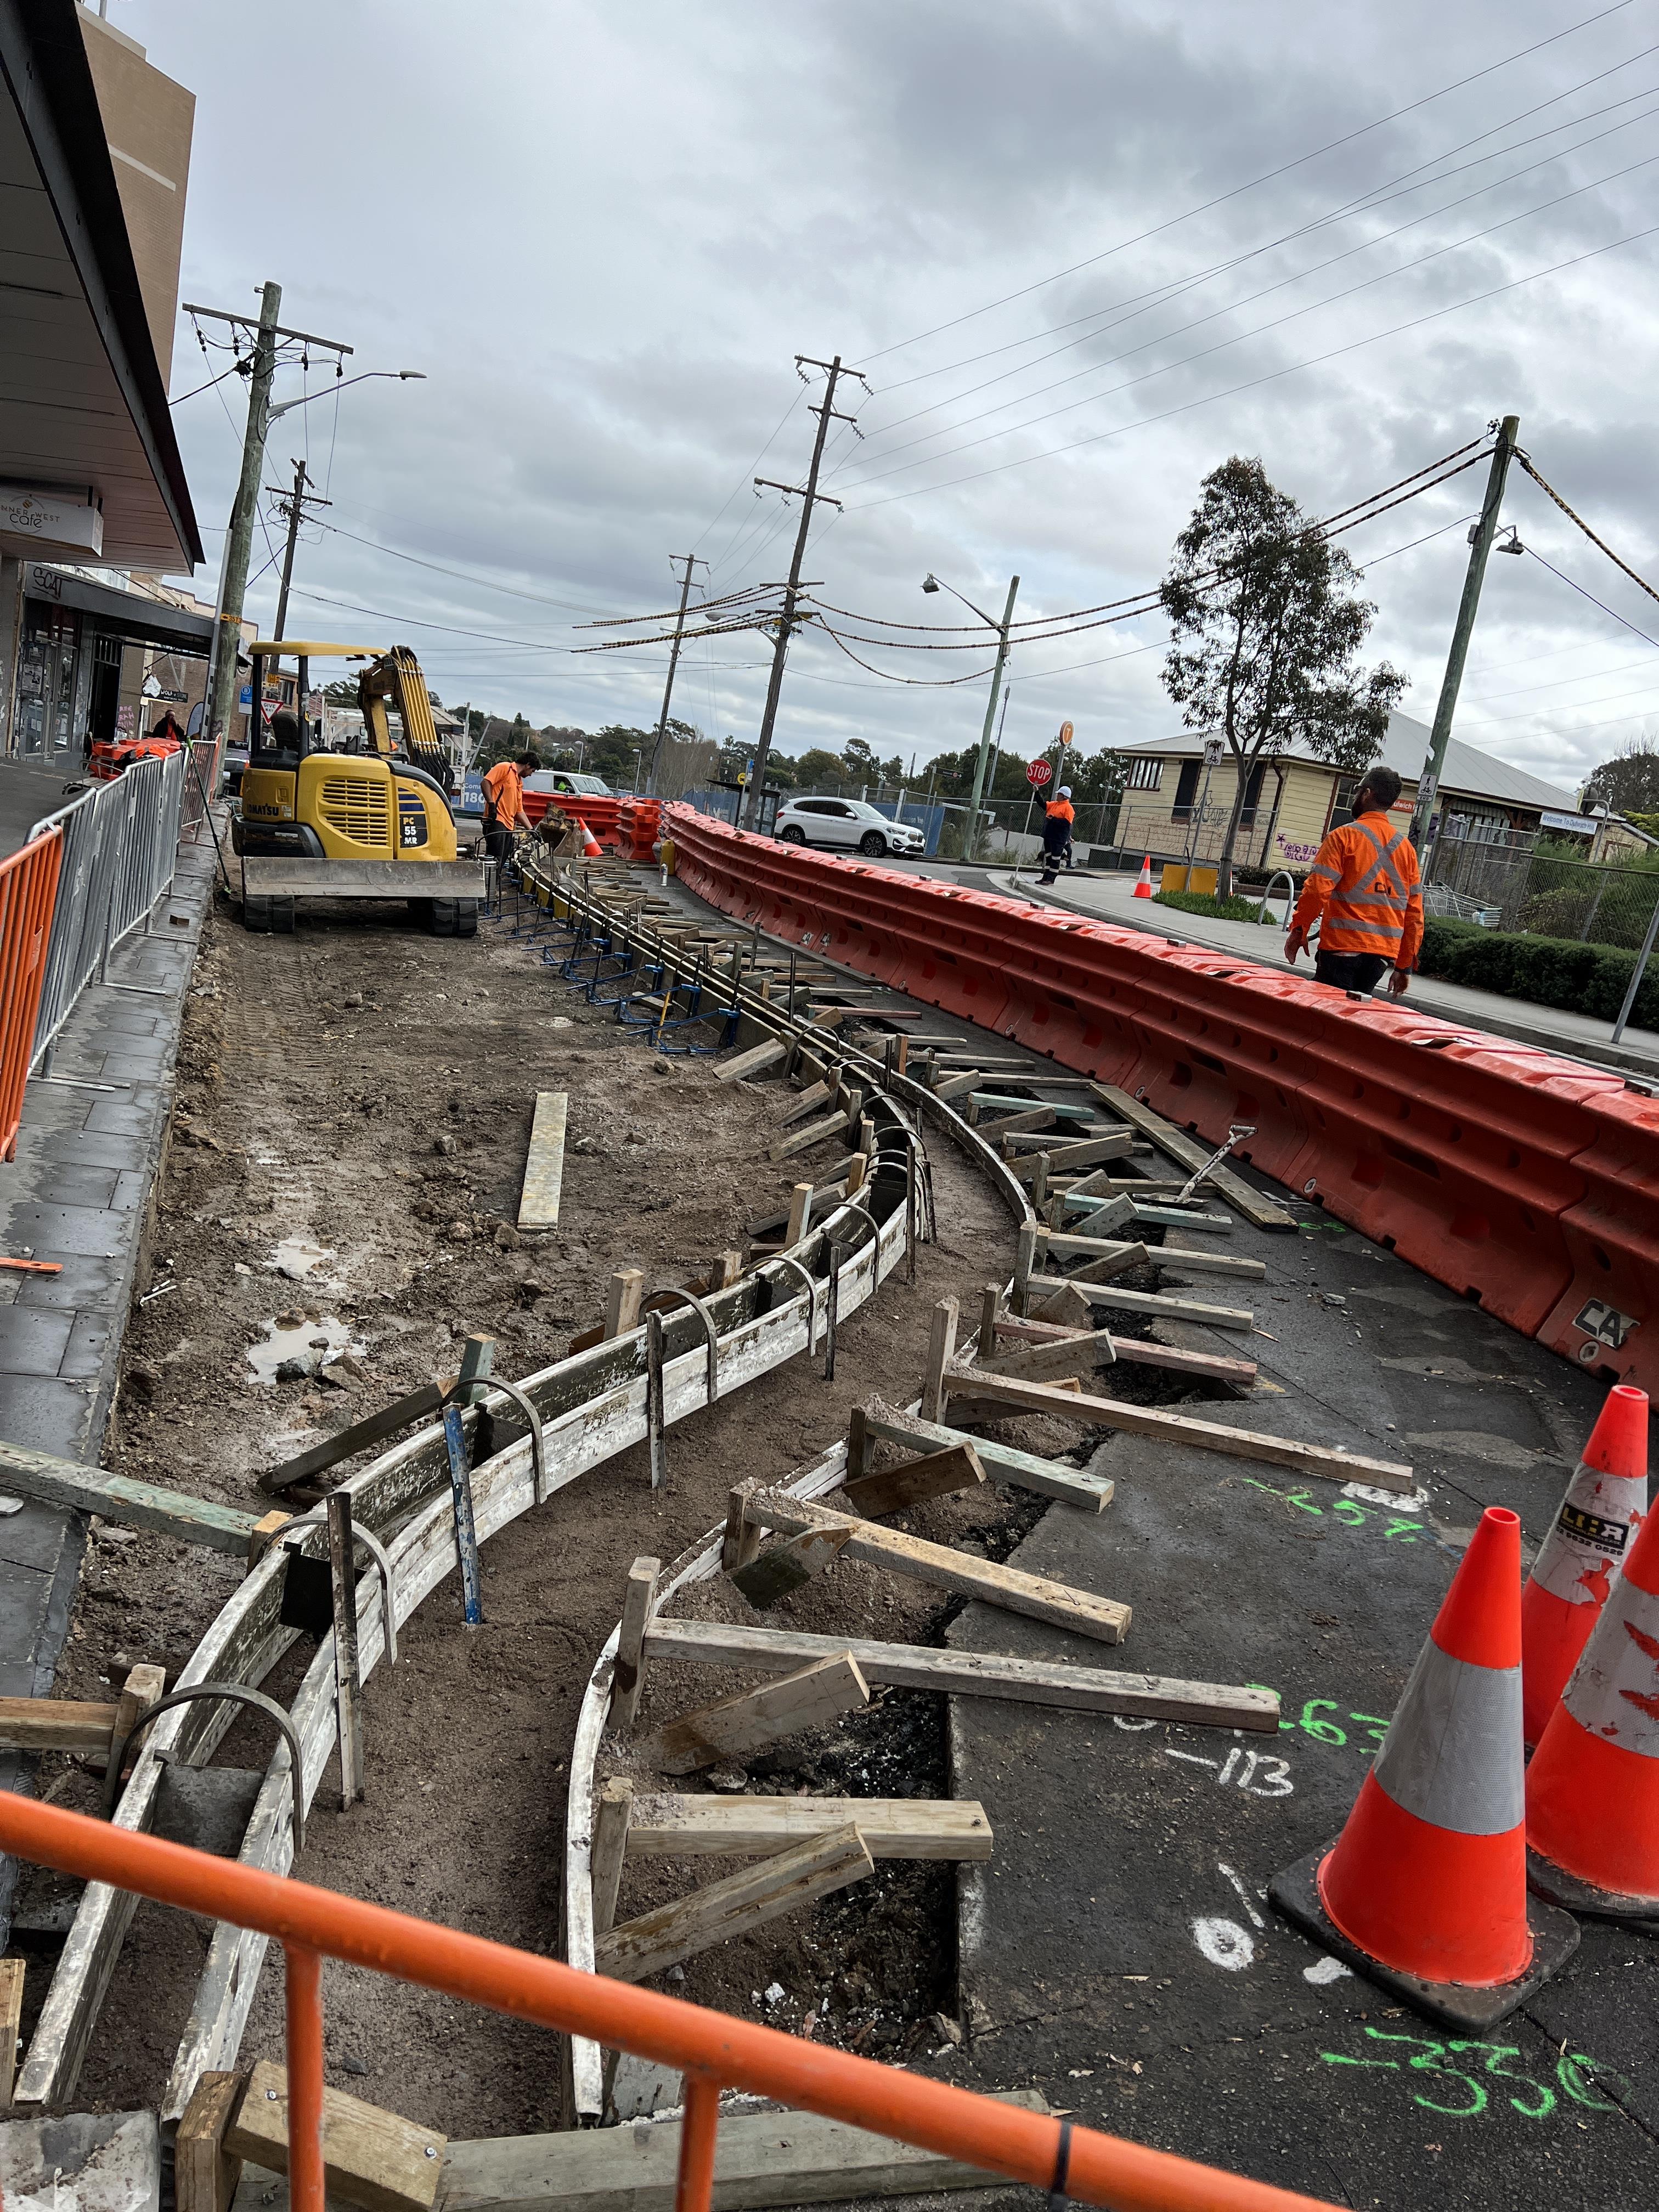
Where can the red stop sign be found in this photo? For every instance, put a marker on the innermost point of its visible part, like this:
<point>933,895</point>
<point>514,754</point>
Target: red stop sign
<point>1037,773</point>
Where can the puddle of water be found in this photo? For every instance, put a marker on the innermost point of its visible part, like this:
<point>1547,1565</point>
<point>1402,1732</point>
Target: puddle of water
<point>298,1258</point>
<point>314,1342</point>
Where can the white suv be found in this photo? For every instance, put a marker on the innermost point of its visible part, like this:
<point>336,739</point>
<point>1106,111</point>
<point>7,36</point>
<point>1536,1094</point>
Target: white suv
<point>848,824</point>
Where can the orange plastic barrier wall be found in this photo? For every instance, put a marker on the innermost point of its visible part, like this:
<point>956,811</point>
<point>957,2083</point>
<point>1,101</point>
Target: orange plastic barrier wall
<point>28,892</point>
<point>1526,1181</point>
<point>629,826</point>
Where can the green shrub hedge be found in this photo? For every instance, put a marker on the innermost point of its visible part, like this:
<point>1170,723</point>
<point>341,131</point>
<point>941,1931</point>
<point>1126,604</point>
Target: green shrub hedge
<point>1551,971</point>
<point>1232,909</point>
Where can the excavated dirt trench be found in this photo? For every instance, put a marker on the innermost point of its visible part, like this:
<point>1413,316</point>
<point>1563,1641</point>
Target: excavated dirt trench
<point>368,1093</point>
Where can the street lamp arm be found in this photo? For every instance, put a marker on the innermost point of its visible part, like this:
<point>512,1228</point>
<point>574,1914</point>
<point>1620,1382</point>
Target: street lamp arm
<point>402,375</point>
<point>990,620</point>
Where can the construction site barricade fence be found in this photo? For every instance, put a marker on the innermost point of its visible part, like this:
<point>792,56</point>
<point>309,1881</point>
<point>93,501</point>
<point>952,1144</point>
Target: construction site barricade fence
<point>120,843</point>
<point>1526,1181</point>
<point>712,2050</point>
<point>28,891</point>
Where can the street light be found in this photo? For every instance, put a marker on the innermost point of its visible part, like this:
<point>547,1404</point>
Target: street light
<point>932,583</point>
<point>399,375</point>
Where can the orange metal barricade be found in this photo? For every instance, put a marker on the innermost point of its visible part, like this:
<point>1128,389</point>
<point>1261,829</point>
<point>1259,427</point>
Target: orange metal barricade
<point>28,891</point>
<point>712,2050</point>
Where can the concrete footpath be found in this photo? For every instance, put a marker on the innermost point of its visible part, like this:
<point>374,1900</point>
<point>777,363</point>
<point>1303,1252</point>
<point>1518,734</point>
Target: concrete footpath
<point>1119,1950</point>
<point>1111,898</point>
<point>80,1192</point>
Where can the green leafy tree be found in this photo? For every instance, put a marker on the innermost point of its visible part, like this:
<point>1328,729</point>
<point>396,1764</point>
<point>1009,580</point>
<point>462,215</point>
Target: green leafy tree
<point>1629,782</point>
<point>819,766</point>
<point>858,763</point>
<point>1267,627</point>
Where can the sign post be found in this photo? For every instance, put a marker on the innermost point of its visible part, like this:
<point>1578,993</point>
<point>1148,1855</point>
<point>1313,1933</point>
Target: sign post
<point>1037,773</point>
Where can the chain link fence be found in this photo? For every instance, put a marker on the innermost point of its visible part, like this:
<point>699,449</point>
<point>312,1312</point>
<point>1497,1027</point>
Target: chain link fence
<point>1535,890</point>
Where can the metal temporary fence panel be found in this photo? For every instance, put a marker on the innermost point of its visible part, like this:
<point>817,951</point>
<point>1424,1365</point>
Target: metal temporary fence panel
<point>120,843</point>
<point>28,885</point>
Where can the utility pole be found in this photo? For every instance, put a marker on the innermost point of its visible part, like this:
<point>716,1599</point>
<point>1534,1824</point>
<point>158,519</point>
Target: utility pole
<point>239,539</point>
<point>691,562</point>
<point>1428,783</point>
<point>825,414</point>
<point>293,504</point>
<point>971,837</point>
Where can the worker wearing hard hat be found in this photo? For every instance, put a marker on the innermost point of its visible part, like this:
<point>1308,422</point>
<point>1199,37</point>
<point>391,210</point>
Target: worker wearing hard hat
<point>1057,819</point>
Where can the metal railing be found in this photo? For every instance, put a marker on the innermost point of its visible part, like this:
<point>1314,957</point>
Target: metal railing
<point>713,2051</point>
<point>29,885</point>
<point>120,843</point>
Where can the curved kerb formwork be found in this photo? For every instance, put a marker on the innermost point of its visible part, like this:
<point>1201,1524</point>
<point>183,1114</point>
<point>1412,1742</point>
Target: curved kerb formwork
<point>591,1407</point>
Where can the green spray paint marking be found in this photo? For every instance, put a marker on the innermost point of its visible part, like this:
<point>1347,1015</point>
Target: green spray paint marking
<point>1576,2074</point>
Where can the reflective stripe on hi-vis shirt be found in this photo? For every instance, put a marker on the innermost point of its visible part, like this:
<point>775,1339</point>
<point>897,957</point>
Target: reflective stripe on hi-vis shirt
<point>1369,917</point>
<point>1452,1755</point>
<point>1613,1694</point>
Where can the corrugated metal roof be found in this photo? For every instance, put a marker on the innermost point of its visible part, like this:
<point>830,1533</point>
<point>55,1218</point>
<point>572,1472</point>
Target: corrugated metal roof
<point>1474,774</point>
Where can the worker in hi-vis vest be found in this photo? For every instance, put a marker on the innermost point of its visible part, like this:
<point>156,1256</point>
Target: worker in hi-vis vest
<point>1364,893</point>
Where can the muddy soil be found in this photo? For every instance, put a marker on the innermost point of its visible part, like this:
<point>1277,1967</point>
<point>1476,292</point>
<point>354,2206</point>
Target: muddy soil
<point>364,1094</point>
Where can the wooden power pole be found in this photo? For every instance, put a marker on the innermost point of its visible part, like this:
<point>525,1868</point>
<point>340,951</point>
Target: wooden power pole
<point>808,495</point>
<point>691,562</point>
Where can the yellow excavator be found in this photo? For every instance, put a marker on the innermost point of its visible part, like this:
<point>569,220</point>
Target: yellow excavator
<point>372,820</point>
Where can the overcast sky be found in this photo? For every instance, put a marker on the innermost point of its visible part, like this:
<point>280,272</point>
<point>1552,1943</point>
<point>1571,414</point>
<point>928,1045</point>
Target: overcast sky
<point>1052,238</point>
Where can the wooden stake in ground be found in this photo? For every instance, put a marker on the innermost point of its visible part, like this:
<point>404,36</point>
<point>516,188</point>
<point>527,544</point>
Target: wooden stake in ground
<point>957,1467</point>
<point>741,1902</point>
<point>621,1305</point>
<point>811,1698</point>
<point>941,1350</point>
<point>204,2173</point>
<point>627,1675</point>
<point>11,2025</point>
<point>612,1813</point>
<point>772,1574</point>
<point>800,1214</point>
<point>544,1167</point>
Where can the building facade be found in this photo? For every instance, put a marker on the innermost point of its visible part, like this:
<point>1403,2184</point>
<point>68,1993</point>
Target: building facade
<point>92,498</point>
<point>1178,799</point>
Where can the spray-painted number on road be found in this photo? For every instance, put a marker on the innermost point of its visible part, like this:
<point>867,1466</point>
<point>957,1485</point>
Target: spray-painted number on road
<point>1401,1526</point>
<point>1464,2079</point>
<point>1364,1734</point>
<point>1263,1776</point>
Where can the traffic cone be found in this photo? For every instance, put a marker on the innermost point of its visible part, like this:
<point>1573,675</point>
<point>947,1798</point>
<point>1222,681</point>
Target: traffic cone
<point>1579,1562</point>
<point>1425,1892</point>
<point>1144,881</point>
<point>590,847</point>
<point>1593,1786</point>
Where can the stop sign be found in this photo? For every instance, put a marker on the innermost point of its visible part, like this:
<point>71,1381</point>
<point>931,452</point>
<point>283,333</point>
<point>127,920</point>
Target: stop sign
<point>1037,773</point>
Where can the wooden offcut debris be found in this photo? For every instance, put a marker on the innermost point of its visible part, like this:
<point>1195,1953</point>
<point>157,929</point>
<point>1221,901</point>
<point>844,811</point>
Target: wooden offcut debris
<point>798,1875</point>
<point>1174,1143</point>
<point>667,1825</point>
<point>544,1167</point>
<point>371,2158</point>
<point>811,1697</point>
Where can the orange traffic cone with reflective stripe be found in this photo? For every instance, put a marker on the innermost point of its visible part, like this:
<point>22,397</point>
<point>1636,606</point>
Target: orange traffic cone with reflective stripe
<point>1144,881</point>
<point>1580,1559</point>
<point>1593,1786</point>
<point>590,847</point>
<point>1425,1892</point>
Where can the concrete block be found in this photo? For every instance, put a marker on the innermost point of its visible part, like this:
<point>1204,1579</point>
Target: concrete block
<point>82,2162</point>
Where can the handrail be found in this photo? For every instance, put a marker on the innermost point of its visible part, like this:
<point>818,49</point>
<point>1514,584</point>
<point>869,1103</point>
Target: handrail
<point>1261,903</point>
<point>712,2050</point>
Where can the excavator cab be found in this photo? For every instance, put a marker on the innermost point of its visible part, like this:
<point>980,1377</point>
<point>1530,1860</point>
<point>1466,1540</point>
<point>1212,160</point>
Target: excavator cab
<point>374,822</point>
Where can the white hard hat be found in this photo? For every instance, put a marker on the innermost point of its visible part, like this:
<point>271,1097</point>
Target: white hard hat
<point>1064,790</point>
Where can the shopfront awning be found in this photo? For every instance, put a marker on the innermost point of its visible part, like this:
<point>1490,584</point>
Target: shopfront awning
<point>126,615</point>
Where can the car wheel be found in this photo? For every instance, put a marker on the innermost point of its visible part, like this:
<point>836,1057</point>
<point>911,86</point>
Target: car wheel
<point>872,845</point>
<point>794,834</point>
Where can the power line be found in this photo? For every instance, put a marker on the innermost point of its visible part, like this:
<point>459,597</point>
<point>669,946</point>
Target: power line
<point>1284,169</point>
<point>1233,307</point>
<point>1363,203</point>
<point>1268,376</point>
<point>1242,337</point>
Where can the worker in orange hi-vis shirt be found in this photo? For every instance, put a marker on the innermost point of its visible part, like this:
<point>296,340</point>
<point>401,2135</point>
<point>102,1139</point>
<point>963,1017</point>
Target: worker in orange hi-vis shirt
<point>1365,893</point>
